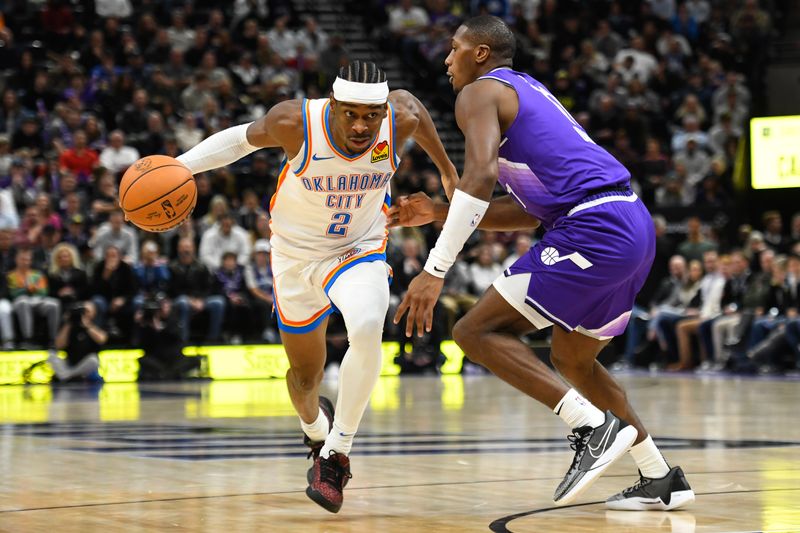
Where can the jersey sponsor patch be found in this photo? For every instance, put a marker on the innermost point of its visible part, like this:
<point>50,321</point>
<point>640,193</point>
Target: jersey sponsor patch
<point>380,152</point>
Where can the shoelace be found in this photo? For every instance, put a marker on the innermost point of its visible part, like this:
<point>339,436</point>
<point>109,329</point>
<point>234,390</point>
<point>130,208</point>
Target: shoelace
<point>578,441</point>
<point>315,449</point>
<point>636,486</point>
<point>332,472</point>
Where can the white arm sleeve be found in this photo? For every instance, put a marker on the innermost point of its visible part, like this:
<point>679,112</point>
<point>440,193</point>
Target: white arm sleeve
<point>463,217</point>
<point>222,148</point>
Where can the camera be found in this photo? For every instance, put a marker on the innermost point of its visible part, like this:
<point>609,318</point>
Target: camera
<point>150,308</point>
<point>76,313</point>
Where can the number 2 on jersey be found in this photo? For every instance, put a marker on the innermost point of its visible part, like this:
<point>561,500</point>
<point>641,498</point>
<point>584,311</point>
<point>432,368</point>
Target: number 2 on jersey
<point>338,226</point>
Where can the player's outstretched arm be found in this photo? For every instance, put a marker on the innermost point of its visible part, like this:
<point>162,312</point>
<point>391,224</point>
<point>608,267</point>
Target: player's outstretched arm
<point>477,113</point>
<point>503,214</point>
<point>278,128</point>
<point>414,120</point>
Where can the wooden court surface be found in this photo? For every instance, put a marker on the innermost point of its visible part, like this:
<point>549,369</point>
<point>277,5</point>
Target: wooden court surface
<point>433,455</point>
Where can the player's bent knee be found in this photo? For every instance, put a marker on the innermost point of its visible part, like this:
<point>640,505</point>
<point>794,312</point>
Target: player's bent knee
<point>467,338</point>
<point>303,379</point>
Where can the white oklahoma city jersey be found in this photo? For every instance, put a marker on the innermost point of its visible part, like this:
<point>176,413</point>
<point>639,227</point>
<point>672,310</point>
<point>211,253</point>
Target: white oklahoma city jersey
<point>327,202</point>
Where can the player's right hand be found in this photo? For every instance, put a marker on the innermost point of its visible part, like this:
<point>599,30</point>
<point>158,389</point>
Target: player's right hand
<point>414,210</point>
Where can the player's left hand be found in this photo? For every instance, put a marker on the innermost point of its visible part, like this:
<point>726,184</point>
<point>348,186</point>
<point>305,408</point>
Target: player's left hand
<point>419,301</point>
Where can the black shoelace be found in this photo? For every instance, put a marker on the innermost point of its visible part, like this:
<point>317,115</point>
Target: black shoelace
<point>332,472</point>
<point>578,441</point>
<point>636,486</point>
<point>315,450</point>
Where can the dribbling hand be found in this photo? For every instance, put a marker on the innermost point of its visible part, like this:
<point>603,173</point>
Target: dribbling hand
<point>419,301</point>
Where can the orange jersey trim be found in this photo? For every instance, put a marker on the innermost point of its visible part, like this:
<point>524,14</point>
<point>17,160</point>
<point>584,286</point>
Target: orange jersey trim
<point>281,179</point>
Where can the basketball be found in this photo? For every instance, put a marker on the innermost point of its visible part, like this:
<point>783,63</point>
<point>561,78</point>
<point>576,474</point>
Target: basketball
<point>157,193</point>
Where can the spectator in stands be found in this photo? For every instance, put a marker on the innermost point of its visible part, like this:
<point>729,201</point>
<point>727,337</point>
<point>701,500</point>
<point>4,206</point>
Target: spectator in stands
<point>258,278</point>
<point>282,39</point>
<point>217,207</point>
<point>116,233</point>
<point>28,137</point>
<point>117,157</point>
<point>230,282</point>
<point>152,275</point>
<point>50,237</point>
<point>695,245</point>
<point>636,61</point>
<point>113,289</point>
<point>66,280</point>
<point>6,321</point>
<point>522,245</point>
<point>484,270</point>
<point>794,231</point>
<point>28,291</point>
<point>190,287</point>
<point>741,300</point>
<point>250,211</point>
<point>691,130</point>
<point>80,159</point>
<point>721,132</point>
<point>81,338</point>
<point>711,290</point>
<point>682,303</point>
<point>606,40</point>
<point>224,237</point>
<point>180,35</point>
<point>780,304</point>
<point>640,316</point>
<point>773,231</point>
<point>695,160</point>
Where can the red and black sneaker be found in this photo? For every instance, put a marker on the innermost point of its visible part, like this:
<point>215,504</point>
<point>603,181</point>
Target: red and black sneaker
<point>316,446</point>
<point>327,480</point>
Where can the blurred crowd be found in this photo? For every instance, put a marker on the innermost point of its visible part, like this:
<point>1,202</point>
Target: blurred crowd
<point>89,86</point>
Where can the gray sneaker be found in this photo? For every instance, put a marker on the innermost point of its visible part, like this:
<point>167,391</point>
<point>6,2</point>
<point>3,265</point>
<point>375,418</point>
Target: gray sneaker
<point>595,450</point>
<point>669,492</point>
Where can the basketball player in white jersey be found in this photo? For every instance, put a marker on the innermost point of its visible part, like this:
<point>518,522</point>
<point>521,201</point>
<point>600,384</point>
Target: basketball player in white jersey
<point>329,241</point>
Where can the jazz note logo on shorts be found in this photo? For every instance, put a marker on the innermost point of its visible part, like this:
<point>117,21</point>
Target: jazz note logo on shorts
<point>550,257</point>
<point>380,152</point>
<point>168,209</point>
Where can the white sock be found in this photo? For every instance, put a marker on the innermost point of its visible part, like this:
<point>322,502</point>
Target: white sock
<point>649,460</point>
<point>318,429</point>
<point>339,440</point>
<point>577,411</point>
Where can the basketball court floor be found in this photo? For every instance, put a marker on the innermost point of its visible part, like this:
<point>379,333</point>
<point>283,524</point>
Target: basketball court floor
<point>437,454</point>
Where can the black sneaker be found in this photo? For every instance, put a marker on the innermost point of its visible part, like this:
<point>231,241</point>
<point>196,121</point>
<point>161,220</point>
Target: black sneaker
<point>664,494</point>
<point>316,446</point>
<point>595,450</point>
<point>327,479</point>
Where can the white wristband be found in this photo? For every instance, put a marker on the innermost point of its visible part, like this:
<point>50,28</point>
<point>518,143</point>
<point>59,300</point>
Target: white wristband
<point>463,217</point>
<point>222,148</point>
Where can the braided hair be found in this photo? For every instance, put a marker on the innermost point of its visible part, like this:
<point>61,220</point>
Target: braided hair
<point>362,72</point>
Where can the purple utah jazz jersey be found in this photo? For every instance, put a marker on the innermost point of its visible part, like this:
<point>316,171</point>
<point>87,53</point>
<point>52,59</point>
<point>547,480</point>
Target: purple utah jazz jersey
<point>547,162</point>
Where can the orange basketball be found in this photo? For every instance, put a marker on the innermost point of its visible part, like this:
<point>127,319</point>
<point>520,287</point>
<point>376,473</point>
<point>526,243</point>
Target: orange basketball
<point>157,193</point>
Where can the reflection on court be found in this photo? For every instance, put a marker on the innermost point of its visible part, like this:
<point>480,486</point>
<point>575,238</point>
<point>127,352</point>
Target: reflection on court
<point>434,454</point>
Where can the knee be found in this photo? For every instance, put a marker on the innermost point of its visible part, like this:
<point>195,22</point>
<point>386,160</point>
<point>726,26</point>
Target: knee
<point>304,379</point>
<point>215,303</point>
<point>367,328</point>
<point>467,336</point>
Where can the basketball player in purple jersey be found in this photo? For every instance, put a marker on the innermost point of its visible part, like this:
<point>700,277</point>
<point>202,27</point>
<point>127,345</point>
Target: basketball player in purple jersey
<point>582,276</point>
